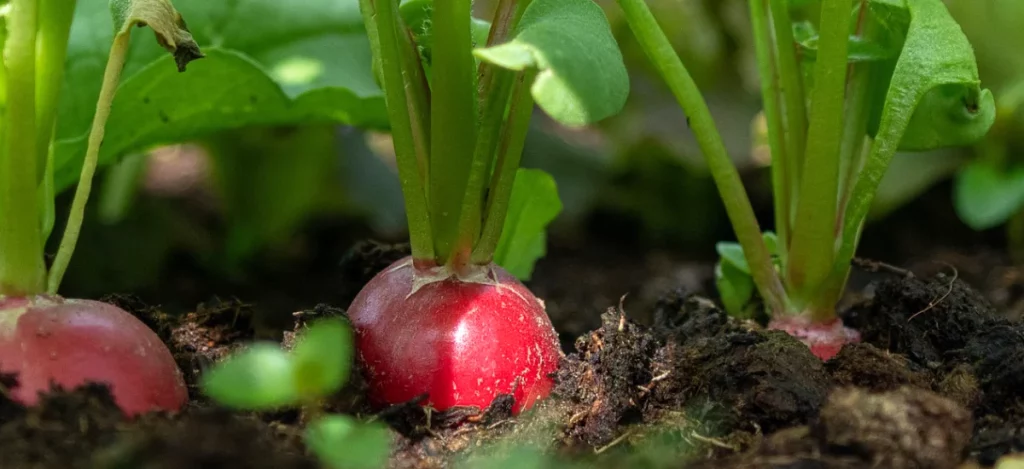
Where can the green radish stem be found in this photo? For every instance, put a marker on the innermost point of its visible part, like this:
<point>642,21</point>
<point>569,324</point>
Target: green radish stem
<point>111,78</point>
<point>408,113</point>
<point>510,152</point>
<point>452,122</point>
<point>814,243</point>
<point>730,187</point>
<point>22,271</point>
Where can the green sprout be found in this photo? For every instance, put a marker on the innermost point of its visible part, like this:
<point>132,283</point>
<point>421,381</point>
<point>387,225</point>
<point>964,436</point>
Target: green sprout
<point>265,377</point>
<point>886,75</point>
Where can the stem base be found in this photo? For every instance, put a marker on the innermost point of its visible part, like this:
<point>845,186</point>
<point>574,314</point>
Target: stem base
<point>825,339</point>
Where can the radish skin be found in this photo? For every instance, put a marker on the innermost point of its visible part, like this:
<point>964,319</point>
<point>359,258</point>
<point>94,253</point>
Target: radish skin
<point>48,339</point>
<point>461,343</point>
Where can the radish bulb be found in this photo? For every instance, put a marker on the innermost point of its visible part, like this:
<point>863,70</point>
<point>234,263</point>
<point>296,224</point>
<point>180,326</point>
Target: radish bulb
<point>462,340</point>
<point>46,339</point>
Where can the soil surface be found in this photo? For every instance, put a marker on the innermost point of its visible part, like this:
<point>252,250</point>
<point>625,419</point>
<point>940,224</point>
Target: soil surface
<point>662,378</point>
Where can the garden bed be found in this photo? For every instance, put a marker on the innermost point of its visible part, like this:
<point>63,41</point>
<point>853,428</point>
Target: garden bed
<point>662,378</point>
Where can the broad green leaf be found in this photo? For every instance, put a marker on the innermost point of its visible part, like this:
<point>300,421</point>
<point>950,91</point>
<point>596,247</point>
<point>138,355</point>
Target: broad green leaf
<point>341,442</point>
<point>259,377</point>
<point>533,205</point>
<point>268,62</point>
<point>934,96</point>
<point>581,77</point>
<point>322,358</point>
<point>986,196</point>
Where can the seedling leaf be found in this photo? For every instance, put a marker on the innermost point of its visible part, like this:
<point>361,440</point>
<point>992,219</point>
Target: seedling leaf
<point>986,196</point>
<point>735,287</point>
<point>533,205</point>
<point>260,377</point>
<point>344,443</point>
<point>322,358</point>
<point>581,78</point>
<point>268,62</point>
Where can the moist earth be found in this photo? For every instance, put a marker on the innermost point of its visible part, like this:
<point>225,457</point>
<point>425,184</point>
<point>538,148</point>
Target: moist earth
<point>666,382</point>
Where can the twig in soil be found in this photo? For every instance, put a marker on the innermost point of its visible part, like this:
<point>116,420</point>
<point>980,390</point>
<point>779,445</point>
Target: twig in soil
<point>614,442</point>
<point>647,387</point>
<point>879,266</point>
<point>712,441</point>
<point>935,302</point>
<point>622,312</point>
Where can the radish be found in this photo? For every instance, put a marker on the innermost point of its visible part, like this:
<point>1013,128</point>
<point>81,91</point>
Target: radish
<point>462,343</point>
<point>44,339</point>
<point>47,339</point>
<point>447,322</point>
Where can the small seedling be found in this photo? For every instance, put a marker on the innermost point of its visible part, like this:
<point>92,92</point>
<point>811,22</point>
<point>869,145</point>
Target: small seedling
<point>448,322</point>
<point>45,338</point>
<point>265,377</point>
<point>889,75</point>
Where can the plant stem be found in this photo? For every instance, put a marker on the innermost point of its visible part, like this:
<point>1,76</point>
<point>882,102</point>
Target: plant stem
<point>494,85</point>
<point>727,179</point>
<point>791,77</point>
<point>452,120</point>
<point>767,69</point>
<point>405,97</point>
<point>814,241</point>
<point>55,17</point>
<point>510,152</point>
<point>111,78</point>
<point>22,270</point>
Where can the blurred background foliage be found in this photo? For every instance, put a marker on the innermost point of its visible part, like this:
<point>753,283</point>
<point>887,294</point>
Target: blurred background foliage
<point>255,198</point>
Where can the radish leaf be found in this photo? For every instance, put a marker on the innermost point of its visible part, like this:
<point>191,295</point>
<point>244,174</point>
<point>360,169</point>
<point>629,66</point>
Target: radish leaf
<point>268,62</point>
<point>533,205</point>
<point>341,442</point>
<point>322,358</point>
<point>257,378</point>
<point>986,196</point>
<point>581,78</point>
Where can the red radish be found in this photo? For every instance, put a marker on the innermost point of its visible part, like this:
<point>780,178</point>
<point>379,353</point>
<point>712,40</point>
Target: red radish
<point>47,338</point>
<point>461,342</point>
<point>824,339</point>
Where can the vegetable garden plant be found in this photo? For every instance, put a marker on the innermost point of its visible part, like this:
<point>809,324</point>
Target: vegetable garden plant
<point>881,76</point>
<point>45,338</point>
<point>446,322</point>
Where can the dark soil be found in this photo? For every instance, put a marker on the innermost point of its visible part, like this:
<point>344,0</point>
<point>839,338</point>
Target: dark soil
<point>660,379</point>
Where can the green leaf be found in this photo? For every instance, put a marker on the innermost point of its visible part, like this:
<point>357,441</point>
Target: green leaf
<point>581,78</point>
<point>732,275</point>
<point>268,62</point>
<point>934,97</point>
<point>341,442</point>
<point>322,358</point>
<point>986,196</point>
<point>260,377</point>
<point>533,205</point>
<point>735,287</point>
<point>732,254</point>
